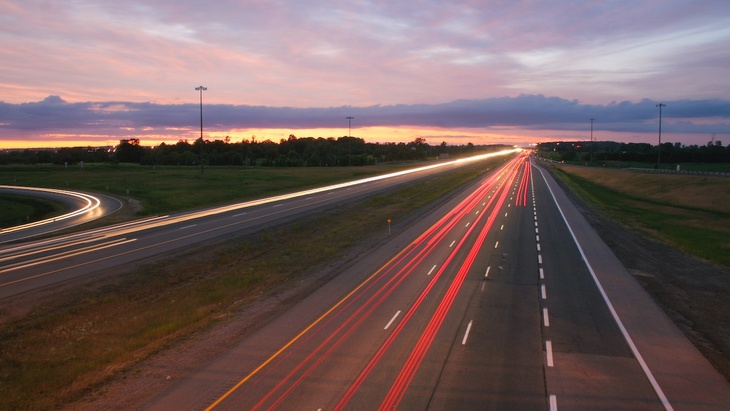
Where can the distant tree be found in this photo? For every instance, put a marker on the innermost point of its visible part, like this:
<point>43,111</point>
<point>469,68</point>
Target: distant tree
<point>129,151</point>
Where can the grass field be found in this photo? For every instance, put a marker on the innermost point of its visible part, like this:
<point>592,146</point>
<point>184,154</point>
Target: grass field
<point>169,189</point>
<point>18,210</point>
<point>690,212</point>
<point>70,345</point>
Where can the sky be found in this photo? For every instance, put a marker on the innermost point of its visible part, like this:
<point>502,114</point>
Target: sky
<point>92,72</point>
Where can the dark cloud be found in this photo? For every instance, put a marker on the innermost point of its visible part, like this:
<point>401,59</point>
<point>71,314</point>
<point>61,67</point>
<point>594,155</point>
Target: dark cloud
<point>532,112</point>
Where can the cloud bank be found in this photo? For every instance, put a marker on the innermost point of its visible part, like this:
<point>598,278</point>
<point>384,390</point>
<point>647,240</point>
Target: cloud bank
<point>536,113</point>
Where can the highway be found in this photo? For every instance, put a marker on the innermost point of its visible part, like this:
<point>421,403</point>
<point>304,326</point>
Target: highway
<point>503,298</point>
<point>495,301</point>
<point>34,265</point>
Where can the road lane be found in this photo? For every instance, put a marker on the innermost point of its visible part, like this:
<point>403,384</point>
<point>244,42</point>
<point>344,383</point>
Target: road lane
<point>680,376</point>
<point>487,303</point>
<point>156,236</point>
<point>316,375</point>
<point>539,335</point>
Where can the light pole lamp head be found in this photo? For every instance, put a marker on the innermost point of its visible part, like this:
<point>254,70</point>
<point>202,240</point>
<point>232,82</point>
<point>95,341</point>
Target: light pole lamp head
<point>201,88</point>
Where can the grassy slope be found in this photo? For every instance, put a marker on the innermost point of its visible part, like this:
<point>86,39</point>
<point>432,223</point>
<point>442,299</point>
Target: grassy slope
<point>18,210</point>
<point>691,212</point>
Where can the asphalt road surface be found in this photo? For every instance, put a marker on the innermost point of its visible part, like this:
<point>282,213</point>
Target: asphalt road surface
<point>503,299</point>
<point>37,264</point>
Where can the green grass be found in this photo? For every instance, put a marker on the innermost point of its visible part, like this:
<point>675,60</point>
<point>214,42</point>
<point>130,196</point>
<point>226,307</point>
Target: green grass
<point>18,210</point>
<point>699,231</point>
<point>74,343</point>
<point>169,188</point>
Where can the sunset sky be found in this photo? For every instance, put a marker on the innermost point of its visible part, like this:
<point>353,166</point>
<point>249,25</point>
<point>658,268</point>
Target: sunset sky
<point>91,72</point>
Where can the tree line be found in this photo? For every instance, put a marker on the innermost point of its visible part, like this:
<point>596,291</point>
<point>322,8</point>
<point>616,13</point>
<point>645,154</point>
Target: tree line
<point>677,153</point>
<point>289,152</point>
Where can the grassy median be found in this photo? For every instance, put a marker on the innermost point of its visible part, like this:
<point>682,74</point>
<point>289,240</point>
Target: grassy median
<point>73,344</point>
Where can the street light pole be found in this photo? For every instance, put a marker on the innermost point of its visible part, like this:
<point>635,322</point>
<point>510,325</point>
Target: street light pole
<point>659,148</point>
<point>349,136</point>
<point>201,89</point>
<point>591,158</point>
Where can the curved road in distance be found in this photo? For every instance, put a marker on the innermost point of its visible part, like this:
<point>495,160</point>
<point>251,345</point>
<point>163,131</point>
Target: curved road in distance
<point>84,208</point>
<point>34,265</point>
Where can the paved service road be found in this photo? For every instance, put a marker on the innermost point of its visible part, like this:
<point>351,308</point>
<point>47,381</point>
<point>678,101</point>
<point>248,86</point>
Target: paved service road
<point>502,299</point>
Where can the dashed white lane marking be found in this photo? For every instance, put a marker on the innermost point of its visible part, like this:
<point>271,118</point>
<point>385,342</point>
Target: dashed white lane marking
<point>431,270</point>
<point>466,334</point>
<point>553,402</point>
<point>545,318</point>
<point>391,320</point>
<point>612,309</point>
<point>543,292</point>
<point>549,352</point>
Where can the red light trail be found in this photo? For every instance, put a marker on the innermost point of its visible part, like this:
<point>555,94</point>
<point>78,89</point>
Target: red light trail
<point>358,306</point>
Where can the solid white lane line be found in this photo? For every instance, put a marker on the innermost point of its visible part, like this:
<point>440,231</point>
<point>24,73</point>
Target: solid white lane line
<point>611,308</point>
<point>431,270</point>
<point>391,320</point>
<point>466,334</point>
<point>549,352</point>
<point>545,318</point>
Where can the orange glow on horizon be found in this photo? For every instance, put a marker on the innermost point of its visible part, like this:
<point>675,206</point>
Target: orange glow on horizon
<point>433,136</point>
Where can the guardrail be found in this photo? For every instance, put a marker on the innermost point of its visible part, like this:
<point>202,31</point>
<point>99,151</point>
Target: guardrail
<point>683,172</point>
